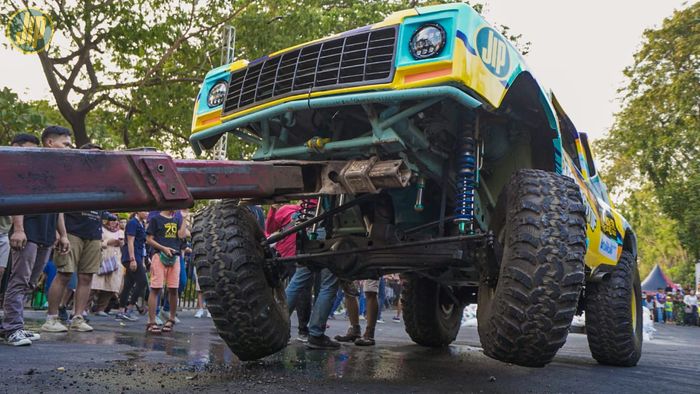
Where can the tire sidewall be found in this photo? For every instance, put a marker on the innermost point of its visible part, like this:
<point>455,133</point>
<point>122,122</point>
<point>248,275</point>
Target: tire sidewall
<point>523,319</point>
<point>605,314</point>
<point>249,313</point>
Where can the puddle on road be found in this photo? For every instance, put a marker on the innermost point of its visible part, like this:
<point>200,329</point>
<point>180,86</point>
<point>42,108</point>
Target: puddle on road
<point>395,363</point>
<point>200,351</point>
<point>197,349</point>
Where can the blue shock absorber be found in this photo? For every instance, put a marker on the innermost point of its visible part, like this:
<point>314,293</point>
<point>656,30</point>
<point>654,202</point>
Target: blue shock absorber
<point>466,180</point>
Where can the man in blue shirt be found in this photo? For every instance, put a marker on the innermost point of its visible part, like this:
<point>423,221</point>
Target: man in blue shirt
<point>133,254</point>
<point>85,236</point>
<point>84,258</point>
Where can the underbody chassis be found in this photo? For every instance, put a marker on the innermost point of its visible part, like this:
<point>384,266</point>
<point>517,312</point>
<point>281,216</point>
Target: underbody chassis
<point>37,180</point>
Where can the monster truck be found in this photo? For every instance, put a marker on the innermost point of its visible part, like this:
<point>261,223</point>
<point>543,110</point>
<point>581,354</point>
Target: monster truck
<point>433,153</point>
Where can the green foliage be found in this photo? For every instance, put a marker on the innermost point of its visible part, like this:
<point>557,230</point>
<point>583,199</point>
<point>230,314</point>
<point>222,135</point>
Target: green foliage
<point>656,136</point>
<point>17,116</point>
<point>657,237</point>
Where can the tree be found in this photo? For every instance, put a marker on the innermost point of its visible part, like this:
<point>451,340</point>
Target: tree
<point>657,238</point>
<point>656,135</point>
<point>17,116</point>
<point>108,49</point>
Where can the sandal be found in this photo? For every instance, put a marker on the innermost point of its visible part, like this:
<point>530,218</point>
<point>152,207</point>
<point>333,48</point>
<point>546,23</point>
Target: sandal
<point>168,326</point>
<point>152,328</point>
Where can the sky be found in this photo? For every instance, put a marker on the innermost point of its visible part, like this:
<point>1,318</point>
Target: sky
<point>578,50</point>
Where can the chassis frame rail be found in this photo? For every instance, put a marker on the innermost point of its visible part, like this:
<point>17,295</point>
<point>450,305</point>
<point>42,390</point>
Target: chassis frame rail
<point>38,180</point>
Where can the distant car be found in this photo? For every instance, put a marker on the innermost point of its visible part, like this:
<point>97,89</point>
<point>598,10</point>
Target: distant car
<point>434,153</point>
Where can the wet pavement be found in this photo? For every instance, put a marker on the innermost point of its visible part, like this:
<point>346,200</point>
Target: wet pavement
<point>120,357</point>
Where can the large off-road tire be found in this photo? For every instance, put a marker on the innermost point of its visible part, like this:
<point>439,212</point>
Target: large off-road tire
<point>524,317</point>
<point>249,309</point>
<point>614,315</point>
<point>431,317</point>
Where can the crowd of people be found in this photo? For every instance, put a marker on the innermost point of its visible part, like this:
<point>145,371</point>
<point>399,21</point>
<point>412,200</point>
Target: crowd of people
<point>90,259</point>
<point>90,262</point>
<point>673,307</point>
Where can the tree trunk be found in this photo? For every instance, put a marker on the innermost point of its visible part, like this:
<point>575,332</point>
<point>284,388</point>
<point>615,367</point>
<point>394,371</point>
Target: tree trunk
<point>79,130</point>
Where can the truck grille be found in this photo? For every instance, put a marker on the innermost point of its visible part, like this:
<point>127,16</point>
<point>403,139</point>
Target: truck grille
<point>361,58</point>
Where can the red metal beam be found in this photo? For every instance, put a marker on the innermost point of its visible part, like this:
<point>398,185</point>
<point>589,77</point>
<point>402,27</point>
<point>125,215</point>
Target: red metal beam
<point>36,180</point>
<point>208,179</point>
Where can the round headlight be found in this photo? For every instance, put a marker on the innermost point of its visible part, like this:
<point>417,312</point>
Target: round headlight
<point>217,94</point>
<point>428,41</point>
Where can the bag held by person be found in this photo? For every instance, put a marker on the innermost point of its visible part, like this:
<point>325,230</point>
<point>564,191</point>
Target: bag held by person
<point>108,265</point>
<point>168,261</point>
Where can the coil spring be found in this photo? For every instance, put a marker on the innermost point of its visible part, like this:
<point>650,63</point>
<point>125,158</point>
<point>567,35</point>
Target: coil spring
<point>308,209</point>
<point>466,181</point>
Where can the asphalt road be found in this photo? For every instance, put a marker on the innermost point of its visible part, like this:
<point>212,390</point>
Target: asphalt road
<point>121,358</point>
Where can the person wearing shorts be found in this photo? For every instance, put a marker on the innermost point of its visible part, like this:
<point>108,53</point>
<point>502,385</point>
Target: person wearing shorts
<point>371,288</point>
<point>163,234</point>
<point>84,259</point>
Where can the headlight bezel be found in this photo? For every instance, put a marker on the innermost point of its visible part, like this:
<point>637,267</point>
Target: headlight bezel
<point>222,94</point>
<point>421,28</point>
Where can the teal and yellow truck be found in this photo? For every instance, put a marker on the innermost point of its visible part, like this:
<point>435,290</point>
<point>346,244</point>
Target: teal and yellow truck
<point>425,146</point>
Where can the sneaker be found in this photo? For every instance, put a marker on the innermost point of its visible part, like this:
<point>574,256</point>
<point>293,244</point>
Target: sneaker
<point>102,314</point>
<point>303,338</point>
<point>83,315</point>
<point>362,317</point>
<point>322,342</point>
<point>17,338</point>
<point>159,321</point>
<point>54,324</point>
<point>199,313</point>
<point>208,314</point>
<point>396,319</point>
<point>31,335</point>
<point>62,313</point>
<point>128,316</point>
<point>380,320</point>
<point>79,324</point>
